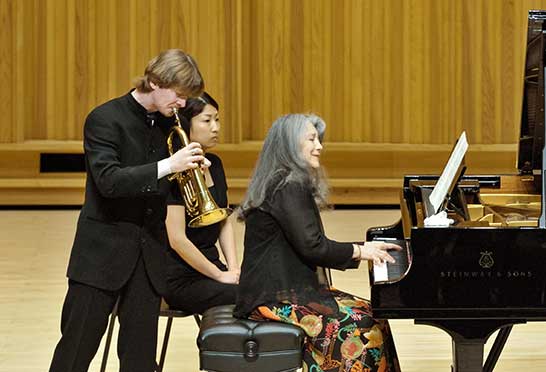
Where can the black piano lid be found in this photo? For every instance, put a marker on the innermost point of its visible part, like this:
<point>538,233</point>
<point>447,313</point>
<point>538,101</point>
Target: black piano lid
<point>531,141</point>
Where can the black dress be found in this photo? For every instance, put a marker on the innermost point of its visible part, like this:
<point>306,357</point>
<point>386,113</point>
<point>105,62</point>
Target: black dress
<point>188,289</point>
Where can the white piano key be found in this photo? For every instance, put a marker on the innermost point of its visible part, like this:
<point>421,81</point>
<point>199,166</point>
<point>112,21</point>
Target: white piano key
<point>380,272</point>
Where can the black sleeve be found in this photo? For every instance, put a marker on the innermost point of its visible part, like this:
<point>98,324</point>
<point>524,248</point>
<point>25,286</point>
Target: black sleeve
<point>295,211</point>
<point>175,196</point>
<point>101,144</point>
<point>217,171</point>
<point>218,175</point>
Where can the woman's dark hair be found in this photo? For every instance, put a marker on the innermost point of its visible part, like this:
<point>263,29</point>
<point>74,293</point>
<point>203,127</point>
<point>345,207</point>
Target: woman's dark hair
<point>195,106</point>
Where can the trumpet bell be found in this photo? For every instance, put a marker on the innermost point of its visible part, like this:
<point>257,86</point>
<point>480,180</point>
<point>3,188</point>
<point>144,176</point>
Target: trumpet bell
<point>210,217</point>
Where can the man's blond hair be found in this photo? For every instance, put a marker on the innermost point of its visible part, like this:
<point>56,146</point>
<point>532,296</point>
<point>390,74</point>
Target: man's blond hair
<point>172,68</point>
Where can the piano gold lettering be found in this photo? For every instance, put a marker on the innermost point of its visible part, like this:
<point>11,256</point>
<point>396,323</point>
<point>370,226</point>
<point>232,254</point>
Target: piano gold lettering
<point>519,274</point>
<point>513,274</point>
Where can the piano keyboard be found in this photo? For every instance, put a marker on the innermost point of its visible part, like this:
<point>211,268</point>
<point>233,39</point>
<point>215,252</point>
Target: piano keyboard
<point>388,272</point>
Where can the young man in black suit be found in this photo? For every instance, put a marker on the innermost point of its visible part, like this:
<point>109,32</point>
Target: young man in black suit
<point>120,242</point>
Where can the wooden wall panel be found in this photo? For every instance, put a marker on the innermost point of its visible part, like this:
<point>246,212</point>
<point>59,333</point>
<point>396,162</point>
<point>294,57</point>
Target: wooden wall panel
<point>396,71</point>
<point>393,71</point>
<point>7,21</point>
<point>390,73</point>
<point>64,57</point>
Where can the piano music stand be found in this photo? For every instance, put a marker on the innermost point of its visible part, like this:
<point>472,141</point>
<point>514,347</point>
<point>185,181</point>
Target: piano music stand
<point>453,197</point>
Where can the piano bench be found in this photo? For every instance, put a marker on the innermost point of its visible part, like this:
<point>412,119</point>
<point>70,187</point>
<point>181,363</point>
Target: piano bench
<point>228,344</point>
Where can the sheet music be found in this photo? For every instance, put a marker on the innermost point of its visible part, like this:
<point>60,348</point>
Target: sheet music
<point>446,179</point>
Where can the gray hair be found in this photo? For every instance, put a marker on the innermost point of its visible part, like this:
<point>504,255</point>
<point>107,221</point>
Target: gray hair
<point>281,161</point>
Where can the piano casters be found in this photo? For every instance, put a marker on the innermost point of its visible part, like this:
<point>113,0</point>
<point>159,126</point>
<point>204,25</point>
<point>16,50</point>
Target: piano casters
<point>468,340</point>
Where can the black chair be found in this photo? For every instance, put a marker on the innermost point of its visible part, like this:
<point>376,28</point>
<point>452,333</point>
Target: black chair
<point>165,311</point>
<point>228,344</point>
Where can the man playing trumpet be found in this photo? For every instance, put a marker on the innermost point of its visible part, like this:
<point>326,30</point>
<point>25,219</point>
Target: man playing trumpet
<point>120,243</point>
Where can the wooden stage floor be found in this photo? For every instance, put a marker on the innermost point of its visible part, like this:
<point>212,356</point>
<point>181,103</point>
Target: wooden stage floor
<point>34,249</point>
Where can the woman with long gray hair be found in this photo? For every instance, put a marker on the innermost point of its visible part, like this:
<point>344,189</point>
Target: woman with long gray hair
<point>286,248</point>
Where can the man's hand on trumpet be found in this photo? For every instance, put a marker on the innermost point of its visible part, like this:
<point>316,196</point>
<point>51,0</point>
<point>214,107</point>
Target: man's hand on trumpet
<point>188,157</point>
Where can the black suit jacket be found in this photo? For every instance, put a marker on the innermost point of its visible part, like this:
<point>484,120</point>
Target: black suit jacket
<point>125,204</point>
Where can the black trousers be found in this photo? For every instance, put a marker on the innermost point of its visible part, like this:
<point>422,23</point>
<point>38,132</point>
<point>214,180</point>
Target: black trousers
<point>198,293</point>
<point>84,320</point>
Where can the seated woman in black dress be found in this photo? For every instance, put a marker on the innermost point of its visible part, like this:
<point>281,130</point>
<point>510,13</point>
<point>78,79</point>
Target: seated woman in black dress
<point>285,248</point>
<point>196,278</point>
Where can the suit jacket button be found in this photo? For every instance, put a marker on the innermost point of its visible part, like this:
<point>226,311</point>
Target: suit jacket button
<point>149,211</point>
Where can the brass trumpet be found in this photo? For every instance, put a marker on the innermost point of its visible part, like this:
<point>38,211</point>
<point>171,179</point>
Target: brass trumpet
<point>200,205</point>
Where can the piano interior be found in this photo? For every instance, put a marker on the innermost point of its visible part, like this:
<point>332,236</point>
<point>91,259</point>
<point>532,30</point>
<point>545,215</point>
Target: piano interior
<point>478,201</point>
<point>506,210</point>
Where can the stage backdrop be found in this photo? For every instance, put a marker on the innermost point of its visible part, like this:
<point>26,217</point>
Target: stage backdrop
<point>396,81</point>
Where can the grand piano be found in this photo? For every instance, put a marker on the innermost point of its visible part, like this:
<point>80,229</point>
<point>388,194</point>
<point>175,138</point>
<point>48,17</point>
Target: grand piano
<point>487,271</point>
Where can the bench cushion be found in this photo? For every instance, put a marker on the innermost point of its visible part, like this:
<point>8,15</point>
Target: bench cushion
<point>228,344</point>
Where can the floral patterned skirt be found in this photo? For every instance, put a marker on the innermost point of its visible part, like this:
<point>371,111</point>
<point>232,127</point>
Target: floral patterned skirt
<point>346,339</point>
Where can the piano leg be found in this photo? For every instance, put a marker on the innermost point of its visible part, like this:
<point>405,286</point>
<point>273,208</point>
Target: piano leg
<point>496,349</point>
<point>467,354</point>
<point>468,339</point>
